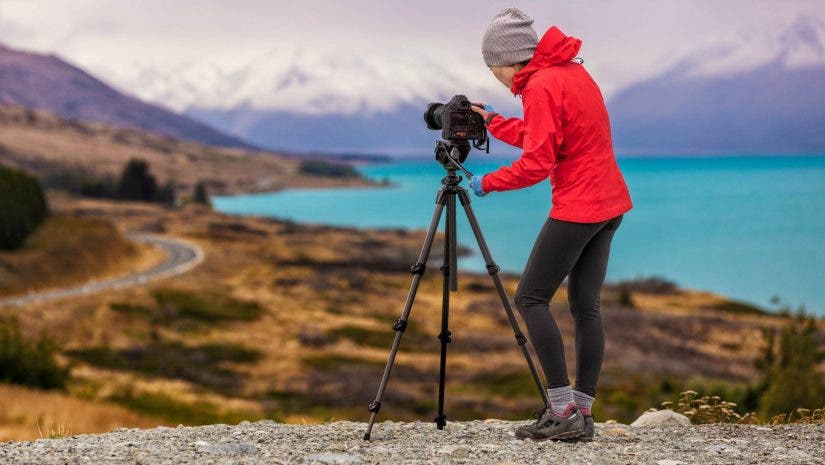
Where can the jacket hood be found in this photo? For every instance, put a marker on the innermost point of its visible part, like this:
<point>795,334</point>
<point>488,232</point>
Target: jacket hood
<point>555,47</point>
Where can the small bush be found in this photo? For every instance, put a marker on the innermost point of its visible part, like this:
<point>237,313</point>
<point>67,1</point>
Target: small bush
<point>29,362</point>
<point>176,411</point>
<point>200,195</point>
<point>412,338</point>
<point>712,409</point>
<point>707,409</point>
<point>651,285</point>
<point>208,306</point>
<point>136,183</point>
<point>166,194</point>
<point>203,364</point>
<point>790,368</point>
<point>22,207</point>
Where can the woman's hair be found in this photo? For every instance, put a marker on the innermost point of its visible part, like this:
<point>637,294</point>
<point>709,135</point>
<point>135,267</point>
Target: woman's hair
<point>525,62</point>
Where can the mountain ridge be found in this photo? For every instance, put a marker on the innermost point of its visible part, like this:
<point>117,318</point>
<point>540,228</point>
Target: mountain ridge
<point>47,82</point>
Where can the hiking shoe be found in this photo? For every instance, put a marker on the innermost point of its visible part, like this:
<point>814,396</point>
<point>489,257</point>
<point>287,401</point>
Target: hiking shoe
<point>548,425</point>
<point>589,430</point>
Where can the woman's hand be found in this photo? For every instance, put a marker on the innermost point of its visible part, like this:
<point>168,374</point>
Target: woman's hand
<point>482,109</point>
<point>475,185</point>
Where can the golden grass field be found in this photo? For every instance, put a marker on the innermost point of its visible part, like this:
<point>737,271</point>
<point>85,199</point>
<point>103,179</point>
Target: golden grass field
<point>293,322</point>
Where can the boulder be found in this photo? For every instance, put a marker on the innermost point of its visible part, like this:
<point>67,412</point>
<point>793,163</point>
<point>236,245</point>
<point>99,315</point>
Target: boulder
<point>661,418</point>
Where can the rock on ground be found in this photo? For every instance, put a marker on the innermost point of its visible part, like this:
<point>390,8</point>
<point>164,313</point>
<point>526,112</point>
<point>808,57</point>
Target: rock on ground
<point>477,442</point>
<point>661,418</point>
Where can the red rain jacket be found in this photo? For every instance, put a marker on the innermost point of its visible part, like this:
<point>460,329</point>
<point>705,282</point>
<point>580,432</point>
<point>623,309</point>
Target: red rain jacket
<point>565,135</point>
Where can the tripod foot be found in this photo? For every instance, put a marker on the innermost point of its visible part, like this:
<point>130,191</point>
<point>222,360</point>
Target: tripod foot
<point>366,436</point>
<point>440,421</point>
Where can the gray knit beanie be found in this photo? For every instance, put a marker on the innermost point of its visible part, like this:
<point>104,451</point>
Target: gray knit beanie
<point>510,38</point>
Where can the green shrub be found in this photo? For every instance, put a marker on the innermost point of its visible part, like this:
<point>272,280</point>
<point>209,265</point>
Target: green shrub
<point>199,195</point>
<point>136,183</point>
<point>22,207</point>
<point>29,362</point>
<point>791,378</point>
<point>200,364</point>
<point>208,306</point>
<point>175,411</point>
<point>166,194</point>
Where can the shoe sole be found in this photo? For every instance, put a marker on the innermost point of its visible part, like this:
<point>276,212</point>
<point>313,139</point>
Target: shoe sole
<point>581,438</point>
<point>565,435</point>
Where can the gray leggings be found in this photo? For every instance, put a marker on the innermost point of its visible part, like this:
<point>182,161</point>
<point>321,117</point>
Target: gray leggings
<point>580,250</point>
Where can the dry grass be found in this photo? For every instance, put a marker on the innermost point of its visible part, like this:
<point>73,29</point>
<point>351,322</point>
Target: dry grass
<point>67,249</point>
<point>713,409</point>
<point>45,144</point>
<point>329,297</point>
<point>28,414</point>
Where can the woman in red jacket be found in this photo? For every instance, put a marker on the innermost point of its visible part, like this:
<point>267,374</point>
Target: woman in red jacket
<point>565,136</point>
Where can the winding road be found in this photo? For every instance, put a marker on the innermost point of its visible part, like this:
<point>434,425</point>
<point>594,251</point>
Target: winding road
<point>181,256</point>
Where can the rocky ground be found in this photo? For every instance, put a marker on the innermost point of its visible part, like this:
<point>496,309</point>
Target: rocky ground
<point>420,442</point>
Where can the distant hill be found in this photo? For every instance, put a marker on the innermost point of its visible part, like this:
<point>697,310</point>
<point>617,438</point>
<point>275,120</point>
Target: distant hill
<point>64,153</point>
<point>766,110</point>
<point>45,82</point>
<point>401,131</point>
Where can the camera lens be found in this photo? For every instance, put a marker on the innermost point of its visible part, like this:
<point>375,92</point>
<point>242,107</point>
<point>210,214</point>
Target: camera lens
<point>433,115</point>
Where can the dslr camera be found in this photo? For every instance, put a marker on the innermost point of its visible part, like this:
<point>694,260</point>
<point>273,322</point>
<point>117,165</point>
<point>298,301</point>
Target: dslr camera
<point>456,120</point>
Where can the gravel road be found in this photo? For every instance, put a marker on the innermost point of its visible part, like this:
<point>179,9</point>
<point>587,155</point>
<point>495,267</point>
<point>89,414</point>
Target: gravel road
<point>476,442</point>
<point>181,256</point>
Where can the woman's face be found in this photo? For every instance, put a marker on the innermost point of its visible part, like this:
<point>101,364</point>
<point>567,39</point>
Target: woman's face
<point>505,73</point>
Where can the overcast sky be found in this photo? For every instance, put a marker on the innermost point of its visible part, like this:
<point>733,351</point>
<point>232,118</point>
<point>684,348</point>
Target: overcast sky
<point>622,41</point>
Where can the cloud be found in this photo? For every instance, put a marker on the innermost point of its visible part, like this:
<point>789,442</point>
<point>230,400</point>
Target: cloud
<point>139,45</point>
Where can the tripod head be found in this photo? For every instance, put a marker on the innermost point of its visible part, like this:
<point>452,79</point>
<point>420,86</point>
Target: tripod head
<point>452,153</point>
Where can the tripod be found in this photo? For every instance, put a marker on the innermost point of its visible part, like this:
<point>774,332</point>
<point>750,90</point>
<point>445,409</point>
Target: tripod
<point>448,154</point>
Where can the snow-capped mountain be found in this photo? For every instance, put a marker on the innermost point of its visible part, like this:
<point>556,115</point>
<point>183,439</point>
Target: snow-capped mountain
<point>762,93</point>
<point>801,44</point>
<point>757,91</point>
<point>314,82</point>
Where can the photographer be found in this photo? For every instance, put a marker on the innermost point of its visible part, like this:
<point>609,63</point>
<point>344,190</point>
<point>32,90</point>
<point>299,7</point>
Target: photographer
<point>565,135</point>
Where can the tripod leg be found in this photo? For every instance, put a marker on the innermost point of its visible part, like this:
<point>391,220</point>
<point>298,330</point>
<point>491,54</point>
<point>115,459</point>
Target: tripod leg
<point>493,270</point>
<point>448,268</point>
<point>399,326</point>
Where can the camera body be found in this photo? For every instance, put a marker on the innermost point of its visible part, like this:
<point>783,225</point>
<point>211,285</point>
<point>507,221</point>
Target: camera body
<point>456,120</point>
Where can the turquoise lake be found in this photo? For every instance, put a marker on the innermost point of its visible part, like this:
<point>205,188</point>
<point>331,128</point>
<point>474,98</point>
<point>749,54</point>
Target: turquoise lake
<point>749,227</point>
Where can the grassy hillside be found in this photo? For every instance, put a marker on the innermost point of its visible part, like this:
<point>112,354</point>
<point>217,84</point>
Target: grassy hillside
<point>58,150</point>
<point>68,249</point>
<point>293,322</point>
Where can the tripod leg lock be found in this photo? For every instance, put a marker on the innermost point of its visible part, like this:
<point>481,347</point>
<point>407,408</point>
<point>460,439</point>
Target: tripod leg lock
<point>463,196</point>
<point>492,268</point>
<point>400,325</point>
<point>521,339</point>
<point>445,336</point>
<point>418,268</point>
<point>374,406</point>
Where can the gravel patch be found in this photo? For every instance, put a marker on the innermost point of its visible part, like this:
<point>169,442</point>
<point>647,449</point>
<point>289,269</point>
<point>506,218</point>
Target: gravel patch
<point>419,442</point>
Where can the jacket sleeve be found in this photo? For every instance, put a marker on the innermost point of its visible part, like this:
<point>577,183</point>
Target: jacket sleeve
<point>542,138</point>
<point>508,130</point>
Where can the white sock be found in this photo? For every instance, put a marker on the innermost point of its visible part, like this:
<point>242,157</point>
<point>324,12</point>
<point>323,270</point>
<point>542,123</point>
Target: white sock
<point>583,401</point>
<point>561,399</point>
